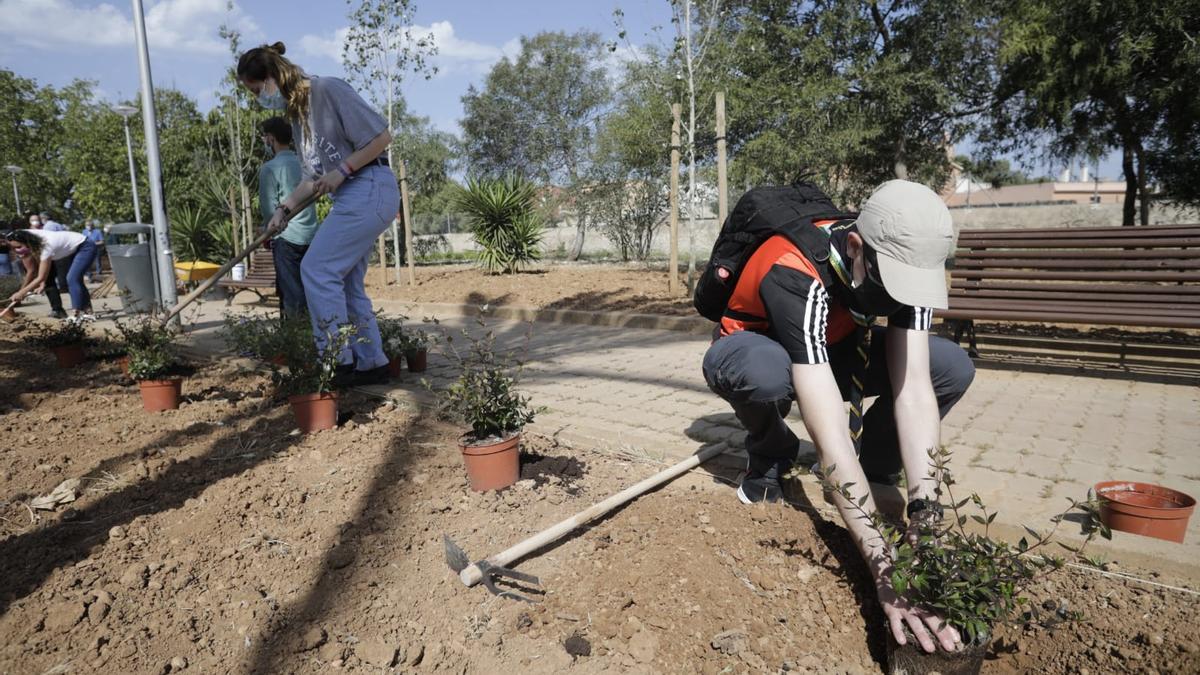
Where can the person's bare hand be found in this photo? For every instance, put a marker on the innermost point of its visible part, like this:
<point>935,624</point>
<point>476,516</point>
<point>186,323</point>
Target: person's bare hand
<point>328,183</point>
<point>277,223</point>
<point>901,613</point>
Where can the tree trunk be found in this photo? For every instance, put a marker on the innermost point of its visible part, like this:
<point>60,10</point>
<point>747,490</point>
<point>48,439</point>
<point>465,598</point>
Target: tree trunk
<point>580,231</point>
<point>1143,195</point>
<point>1130,185</point>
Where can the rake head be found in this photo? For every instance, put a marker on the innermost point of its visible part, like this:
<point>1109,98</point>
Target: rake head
<point>458,561</point>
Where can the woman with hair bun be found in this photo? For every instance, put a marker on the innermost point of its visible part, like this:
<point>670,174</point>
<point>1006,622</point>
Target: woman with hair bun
<point>341,142</point>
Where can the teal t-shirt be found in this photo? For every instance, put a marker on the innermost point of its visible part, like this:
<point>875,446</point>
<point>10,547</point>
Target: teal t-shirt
<point>276,180</point>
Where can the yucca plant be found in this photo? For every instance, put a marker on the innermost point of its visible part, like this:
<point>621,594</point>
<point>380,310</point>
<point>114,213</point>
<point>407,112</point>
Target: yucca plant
<point>503,220</point>
<point>191,234</point>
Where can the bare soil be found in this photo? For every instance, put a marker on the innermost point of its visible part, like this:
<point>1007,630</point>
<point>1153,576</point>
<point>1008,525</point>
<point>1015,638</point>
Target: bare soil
<point>587,287</point>
<point>215,539</point>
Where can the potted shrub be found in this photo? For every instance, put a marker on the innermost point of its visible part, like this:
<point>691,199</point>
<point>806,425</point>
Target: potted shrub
<point>154,364</point>
<point>307,378</point>
<point>391,334</point>
<point>972,581</point>
<point>485,398</point>
<point>65,341</point>
<point>416,349</point>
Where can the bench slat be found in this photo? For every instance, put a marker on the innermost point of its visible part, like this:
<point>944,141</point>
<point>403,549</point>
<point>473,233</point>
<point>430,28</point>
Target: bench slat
<point>1060,233</point>
<point>1086,254</point>
<point>1073,307</point>
<point>956,282</point>
<point>1156,300</point>
<point>1168,321</point>
<point>1079,264</point>
<point>1178,277</point>
<point>1088,242</point>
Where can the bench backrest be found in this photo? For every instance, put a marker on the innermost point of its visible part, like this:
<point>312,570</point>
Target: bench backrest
<point>1146,275</point>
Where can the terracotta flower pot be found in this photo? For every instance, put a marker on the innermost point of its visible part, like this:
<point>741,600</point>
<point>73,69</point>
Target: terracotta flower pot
<point>395,365</point>
<point>278,360</point>
<point>123,362</point>
<point>315,412</point>
<point>68,356</point>
<point>417,360</point>
<point>159,395</point>
<point>491,465</point>
<point>910,659</point>
<point>1145,509</point>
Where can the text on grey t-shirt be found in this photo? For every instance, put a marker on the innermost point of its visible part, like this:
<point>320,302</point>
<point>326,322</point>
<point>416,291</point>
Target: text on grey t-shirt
<point>340,122</point>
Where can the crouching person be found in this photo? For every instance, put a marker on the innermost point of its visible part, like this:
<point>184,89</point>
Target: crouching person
<point>796,323</point>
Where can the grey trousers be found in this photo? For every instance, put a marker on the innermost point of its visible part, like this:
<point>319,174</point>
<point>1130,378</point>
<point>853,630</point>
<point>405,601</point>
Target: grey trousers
<point>753,373</point>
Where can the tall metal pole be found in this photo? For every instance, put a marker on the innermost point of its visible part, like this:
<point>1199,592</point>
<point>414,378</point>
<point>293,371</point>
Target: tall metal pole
<point>125,111</point>
<point>673,276</point>
<point>162,237</point>
<point>14,170</point>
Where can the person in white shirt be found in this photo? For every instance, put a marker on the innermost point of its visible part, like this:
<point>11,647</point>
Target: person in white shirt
<point>62,259</point>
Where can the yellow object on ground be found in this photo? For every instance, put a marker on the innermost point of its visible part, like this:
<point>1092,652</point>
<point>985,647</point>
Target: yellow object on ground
<point>195,271</point>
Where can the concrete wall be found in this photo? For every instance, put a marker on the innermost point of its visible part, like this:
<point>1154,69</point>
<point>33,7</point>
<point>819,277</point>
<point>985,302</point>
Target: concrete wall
<point>559,239</point>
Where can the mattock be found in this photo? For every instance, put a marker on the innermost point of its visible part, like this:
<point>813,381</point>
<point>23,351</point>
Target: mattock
<point>495,567</point>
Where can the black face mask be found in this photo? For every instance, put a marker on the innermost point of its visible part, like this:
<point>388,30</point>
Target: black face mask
<point>870,297</point>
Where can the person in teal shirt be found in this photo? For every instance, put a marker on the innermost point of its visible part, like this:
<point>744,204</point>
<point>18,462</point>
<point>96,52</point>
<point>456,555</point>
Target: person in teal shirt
<point>276,180</point>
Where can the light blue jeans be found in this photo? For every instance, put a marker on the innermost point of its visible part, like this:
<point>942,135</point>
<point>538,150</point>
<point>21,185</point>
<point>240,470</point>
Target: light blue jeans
<point>336,263</point>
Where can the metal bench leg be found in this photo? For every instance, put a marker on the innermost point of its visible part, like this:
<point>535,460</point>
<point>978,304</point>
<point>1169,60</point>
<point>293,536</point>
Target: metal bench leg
<point>960,325</point>
<point>973,349</point>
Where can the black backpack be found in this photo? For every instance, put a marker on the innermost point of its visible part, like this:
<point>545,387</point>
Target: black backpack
<point>760,214</point>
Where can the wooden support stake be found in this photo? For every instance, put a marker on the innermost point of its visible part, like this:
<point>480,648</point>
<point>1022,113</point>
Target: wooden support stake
<point>722,174</point>
<point>406,213</point>
<point>673,270</point>
<point>382,258</point>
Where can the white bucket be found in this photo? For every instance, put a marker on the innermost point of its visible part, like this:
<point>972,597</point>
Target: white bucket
<point>238,272</point>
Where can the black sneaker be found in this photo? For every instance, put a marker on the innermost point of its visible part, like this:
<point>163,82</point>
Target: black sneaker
<point>343,376</point>
<point>58,314</point>
<point>758,486</point>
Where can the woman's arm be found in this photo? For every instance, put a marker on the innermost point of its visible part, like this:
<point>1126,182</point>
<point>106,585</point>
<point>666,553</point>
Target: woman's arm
<point>33,282</point>
<point>358,159</point>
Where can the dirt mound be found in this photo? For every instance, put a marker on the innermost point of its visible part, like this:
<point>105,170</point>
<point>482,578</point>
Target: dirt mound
<point>215,539</point>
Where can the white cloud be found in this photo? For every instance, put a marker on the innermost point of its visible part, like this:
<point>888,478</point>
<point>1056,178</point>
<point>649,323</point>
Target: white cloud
<point>177,25</point>
<point>454,54</point>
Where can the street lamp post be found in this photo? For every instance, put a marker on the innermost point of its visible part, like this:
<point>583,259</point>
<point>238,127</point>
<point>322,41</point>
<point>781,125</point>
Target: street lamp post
<point>127,111</point>
<point>14,170</point>
<point>162,236</point>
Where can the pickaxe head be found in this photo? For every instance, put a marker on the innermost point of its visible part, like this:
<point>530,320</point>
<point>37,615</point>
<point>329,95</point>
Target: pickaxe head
<point>489,573</point>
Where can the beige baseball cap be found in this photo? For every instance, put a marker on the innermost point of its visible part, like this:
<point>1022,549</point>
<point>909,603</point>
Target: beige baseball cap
<point>910,230</point>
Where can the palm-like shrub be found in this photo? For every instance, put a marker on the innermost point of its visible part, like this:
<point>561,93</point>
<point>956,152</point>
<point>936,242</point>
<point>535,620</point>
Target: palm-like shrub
<point>197,235</point>
<point>503,220</point>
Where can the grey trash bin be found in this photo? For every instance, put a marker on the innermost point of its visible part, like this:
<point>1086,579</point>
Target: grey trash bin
<point>133,260</point>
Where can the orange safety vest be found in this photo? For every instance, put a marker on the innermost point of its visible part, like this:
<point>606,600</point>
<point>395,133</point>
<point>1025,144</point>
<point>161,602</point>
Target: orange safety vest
<point>745,310</point>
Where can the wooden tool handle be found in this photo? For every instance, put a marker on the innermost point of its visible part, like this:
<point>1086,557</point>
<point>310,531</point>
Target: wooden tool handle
<point>472,575</point>
<point>224,269</point>
<point>9,308</point>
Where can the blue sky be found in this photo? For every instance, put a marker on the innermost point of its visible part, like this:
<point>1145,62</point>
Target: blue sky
<point>56,41</point>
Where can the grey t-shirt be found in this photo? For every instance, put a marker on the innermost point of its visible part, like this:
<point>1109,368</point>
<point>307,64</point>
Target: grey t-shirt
<point>340,121</point>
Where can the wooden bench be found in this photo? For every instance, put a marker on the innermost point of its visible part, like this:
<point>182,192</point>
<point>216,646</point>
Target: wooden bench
<point>1113,276</point>
<point>260,278</point>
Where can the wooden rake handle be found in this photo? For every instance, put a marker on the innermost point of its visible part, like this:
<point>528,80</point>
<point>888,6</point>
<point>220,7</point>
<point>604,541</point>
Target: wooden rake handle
<point>224,269</point>
<point>472,575</point>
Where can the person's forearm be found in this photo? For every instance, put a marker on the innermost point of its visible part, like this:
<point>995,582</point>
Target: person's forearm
<point>303,191</point>
<point>918,424</point>
<point>369,152</point>
<point>825,418</point>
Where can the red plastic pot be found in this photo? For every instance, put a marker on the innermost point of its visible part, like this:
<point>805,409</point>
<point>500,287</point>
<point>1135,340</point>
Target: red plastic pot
<point>315,412</point>
<point>159,395</point>
<point>68,356</point>
<point>417,360</point>
<point>395,365</point>
<point>1145,509</point>
<point>491,465</point>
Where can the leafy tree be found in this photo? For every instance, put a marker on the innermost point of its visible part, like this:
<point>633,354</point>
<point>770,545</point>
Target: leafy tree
<point>1093,76</point>
<point>379,48</point>
<point>852,94</point>
<point>536,115</point>
<point>30,136</point>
